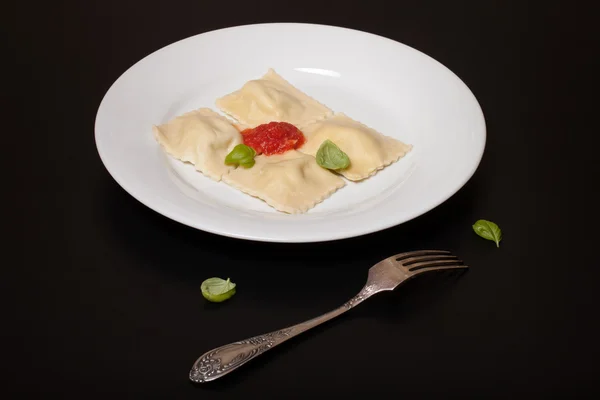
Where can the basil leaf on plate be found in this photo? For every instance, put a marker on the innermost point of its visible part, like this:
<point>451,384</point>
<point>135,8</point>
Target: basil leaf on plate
<point>330,156</point>
<point>241,155</point>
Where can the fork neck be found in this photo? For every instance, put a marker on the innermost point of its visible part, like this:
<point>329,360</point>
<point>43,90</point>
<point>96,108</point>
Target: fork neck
<point>367,291</point>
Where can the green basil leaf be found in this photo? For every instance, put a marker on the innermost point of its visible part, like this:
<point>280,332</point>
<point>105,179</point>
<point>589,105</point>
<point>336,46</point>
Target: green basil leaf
<point>332,157</point>
<point>488,230</point>
<point>217,289</point>
<point>241,155</point>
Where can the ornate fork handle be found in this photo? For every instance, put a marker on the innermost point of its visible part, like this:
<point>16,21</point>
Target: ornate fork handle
<point>222,360</point>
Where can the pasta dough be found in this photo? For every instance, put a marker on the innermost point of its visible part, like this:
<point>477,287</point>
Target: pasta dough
<point>201,137</point>
<point>271,98</point>
<point>291,182</point>
<point>368,150</point>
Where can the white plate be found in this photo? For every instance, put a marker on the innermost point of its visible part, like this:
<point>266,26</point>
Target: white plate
<point>395,89</point>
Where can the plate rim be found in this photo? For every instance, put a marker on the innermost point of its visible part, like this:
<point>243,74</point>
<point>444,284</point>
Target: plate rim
<point>272,239</point>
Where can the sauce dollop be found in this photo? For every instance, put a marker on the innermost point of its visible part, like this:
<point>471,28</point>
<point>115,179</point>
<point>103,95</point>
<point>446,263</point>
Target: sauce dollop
<point>273,138</point>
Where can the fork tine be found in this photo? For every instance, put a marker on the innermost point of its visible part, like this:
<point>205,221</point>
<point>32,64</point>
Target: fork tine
<point>409,262</point>
<point>403,256</point>
<point>434,266</point>
<point>440,268</point>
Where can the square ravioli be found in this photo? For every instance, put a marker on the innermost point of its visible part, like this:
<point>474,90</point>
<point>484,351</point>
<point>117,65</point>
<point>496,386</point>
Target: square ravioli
<point>271,98</point>
<point>369,151</point>
<point>201,137</point>
<point>291,182</point>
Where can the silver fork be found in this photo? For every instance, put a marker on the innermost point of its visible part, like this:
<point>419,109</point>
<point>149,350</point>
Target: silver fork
<point>387,274</point>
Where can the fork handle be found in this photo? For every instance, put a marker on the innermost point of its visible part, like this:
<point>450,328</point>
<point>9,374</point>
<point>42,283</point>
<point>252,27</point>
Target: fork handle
<point>222,360</point>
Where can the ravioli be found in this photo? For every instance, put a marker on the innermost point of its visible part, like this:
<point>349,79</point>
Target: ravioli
<point>291,182</point>
<point>271,98</point>
<point>201,137</point>
<point>369,151</point>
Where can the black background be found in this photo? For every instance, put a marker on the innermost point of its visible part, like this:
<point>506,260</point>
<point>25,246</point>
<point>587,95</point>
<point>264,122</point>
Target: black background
<point>102,294</point>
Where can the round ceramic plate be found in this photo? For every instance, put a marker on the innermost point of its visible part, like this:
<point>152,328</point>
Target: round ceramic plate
<point>391,87</point>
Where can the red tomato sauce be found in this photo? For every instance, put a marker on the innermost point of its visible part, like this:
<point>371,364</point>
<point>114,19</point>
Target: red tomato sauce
<point>273,138</point>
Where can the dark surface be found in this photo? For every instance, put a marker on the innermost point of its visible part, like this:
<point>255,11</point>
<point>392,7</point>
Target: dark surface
<point>102,296</point>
